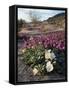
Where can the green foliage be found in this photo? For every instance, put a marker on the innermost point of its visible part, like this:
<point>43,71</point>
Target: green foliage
<point>35,58</point>
<point>33,55</point>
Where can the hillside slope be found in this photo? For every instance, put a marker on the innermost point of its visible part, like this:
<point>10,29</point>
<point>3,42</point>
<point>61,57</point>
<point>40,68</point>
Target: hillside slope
<point>58,20</point>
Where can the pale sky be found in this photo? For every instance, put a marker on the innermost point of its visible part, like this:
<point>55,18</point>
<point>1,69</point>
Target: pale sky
<point>23,13</point>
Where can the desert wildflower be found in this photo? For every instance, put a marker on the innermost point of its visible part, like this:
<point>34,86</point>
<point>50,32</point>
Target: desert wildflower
<point>35,71</point>
<point>49,66</point>
<point>23,50</point>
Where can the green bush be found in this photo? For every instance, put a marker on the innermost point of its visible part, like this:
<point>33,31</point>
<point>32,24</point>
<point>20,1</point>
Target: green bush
<point>35,58</point>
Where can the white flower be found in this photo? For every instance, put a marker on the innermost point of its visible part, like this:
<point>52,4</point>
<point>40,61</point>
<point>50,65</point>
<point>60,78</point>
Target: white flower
<point>35,71</point>
<point>39,57</point>
<point>32,47</point>
<point>40,42</point>
<point>49,50</point>
<point>49,55</point>
<point>54,62</point>
<point>49,66</point>
<point>31,38</point>
<point>52,55</point>
<point>24,50</point>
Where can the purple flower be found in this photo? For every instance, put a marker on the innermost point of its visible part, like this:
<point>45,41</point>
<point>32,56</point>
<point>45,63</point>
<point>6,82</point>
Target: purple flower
<point>54,40</point>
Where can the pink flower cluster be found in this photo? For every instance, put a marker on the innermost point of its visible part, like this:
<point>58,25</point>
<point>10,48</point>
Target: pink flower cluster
<point>52,39</point>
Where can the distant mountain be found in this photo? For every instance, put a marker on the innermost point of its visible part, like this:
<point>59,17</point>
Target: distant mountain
<point>58,19</point>
<point>59,15</point>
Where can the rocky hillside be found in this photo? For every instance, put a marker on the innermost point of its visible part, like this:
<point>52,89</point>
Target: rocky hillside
<point>58,20</point>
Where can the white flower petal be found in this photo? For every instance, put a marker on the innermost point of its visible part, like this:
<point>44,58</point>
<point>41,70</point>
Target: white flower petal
<point>35,71</point>
<point>49,50</point>
<point>54,62</point>
<point>23,50</point>
<point>49,67</point>
<point>49,55</point>
<point>53,55</point>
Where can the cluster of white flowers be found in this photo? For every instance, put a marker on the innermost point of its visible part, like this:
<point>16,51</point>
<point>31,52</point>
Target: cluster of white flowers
<point>49,56</point>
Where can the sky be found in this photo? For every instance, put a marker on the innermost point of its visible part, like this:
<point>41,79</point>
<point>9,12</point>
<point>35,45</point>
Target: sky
<point>23,13</point>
